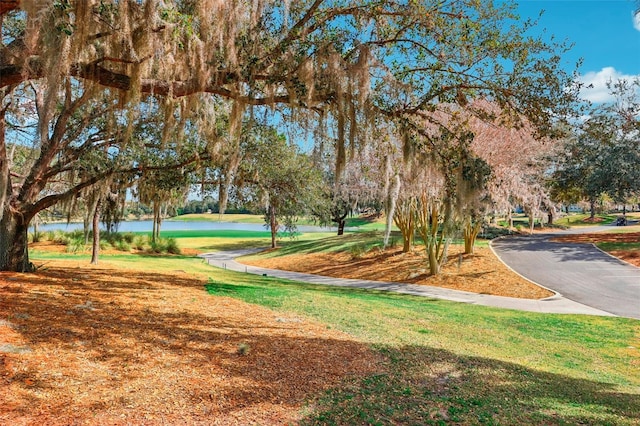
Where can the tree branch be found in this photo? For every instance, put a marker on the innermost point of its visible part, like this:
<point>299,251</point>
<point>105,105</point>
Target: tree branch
<point>7,6</point>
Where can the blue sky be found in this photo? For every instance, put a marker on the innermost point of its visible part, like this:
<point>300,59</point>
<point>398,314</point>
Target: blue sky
<point>604,33</point>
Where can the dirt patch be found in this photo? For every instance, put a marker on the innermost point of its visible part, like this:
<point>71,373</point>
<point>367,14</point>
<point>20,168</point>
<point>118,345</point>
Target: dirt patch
<point>481,272</point>
<point>95,345</point>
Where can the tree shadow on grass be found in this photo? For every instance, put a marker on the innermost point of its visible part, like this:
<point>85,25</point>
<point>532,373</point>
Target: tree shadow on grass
<point>143,352</point>
<point>112,347</point>
<point>434,386</point>
<point>334,243</point>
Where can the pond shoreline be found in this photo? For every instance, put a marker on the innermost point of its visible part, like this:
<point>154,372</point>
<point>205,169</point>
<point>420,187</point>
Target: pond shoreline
<point>178,225</point>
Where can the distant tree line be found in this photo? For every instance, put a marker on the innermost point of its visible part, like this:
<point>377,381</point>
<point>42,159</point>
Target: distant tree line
<point>209,205</point>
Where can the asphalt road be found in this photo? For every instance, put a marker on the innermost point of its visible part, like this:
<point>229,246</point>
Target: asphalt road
<point>580,272</point>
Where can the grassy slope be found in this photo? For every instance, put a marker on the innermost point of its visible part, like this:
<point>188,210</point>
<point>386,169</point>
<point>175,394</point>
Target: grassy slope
<point>365,224</point>
<point>214,217</point>
<point>579,220</point>
<point>464,363</point>
<point>448,362</point>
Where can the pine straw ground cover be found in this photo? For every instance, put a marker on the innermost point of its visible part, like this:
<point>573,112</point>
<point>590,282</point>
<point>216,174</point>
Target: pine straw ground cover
<point>481,272</point>
<point>97,345</point>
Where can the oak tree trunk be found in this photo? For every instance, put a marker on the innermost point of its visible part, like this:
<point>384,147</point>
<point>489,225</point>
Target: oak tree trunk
<point>14,253</point>
<point>155,233</point>
<point>95,248</point>
<point>339,216</point>
<point>273,224</point>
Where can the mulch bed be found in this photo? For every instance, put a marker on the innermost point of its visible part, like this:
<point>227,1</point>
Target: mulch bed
<point>481,272</point>
<point>95,345</point>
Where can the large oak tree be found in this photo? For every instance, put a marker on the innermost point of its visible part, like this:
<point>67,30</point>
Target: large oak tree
<point>353,66</point>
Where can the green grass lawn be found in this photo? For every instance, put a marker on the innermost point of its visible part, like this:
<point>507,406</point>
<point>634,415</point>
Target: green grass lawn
<point>215,217</point>
<point>362,223</point>
<point>356,242</point>
<point>233,240</point>
<point>607,246</point>
<point>454,363</point>
<point>445,362</point>
<point>579,220</point>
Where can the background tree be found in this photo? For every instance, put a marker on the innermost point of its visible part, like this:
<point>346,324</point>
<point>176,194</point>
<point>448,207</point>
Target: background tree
<point>161,188</point>
<point>603,155</point>
<point>359,185</point>
<point>518,160</point>
<point>275,175</point>
<point>432,216</point>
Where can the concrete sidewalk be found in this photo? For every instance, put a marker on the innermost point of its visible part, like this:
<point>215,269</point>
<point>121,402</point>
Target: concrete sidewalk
<point>555,304</point>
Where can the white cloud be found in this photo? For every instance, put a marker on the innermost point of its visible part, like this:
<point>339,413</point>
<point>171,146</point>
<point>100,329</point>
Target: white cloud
<point>636,19</point>
<point>595,84</point>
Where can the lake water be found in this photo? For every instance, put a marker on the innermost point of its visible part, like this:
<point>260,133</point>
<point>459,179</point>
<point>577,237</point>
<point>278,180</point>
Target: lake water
<point>168,225</point>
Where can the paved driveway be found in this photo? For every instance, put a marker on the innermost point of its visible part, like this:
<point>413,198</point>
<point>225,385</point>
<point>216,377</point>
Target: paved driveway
<point>580,272</point>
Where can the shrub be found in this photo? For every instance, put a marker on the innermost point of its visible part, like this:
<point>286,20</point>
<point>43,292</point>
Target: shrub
<point>35,237</point>
<point>491,232</point>
<point>140,242</point>
<point>171,246</point>
<point>75,245</point>
<point>162,245</point>
<point>46,236</point>
<point>122,245</point>
<point>60,237</point>
<point>157,246</point>
<point>357,250</point>
<point>76,234</point>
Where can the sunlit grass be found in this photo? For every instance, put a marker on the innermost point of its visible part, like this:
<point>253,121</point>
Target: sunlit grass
<point>583,220</point>
<point>361,242</point>
<point>611,246</point>
<point>233,218</point>
<point>236,240</point>
<point>470,361</point>
<point>215,217</point>
<point>623,229</point>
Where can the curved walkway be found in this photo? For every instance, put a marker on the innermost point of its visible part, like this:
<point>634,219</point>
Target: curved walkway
<point>580,272</point>
<point>554,304</point>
